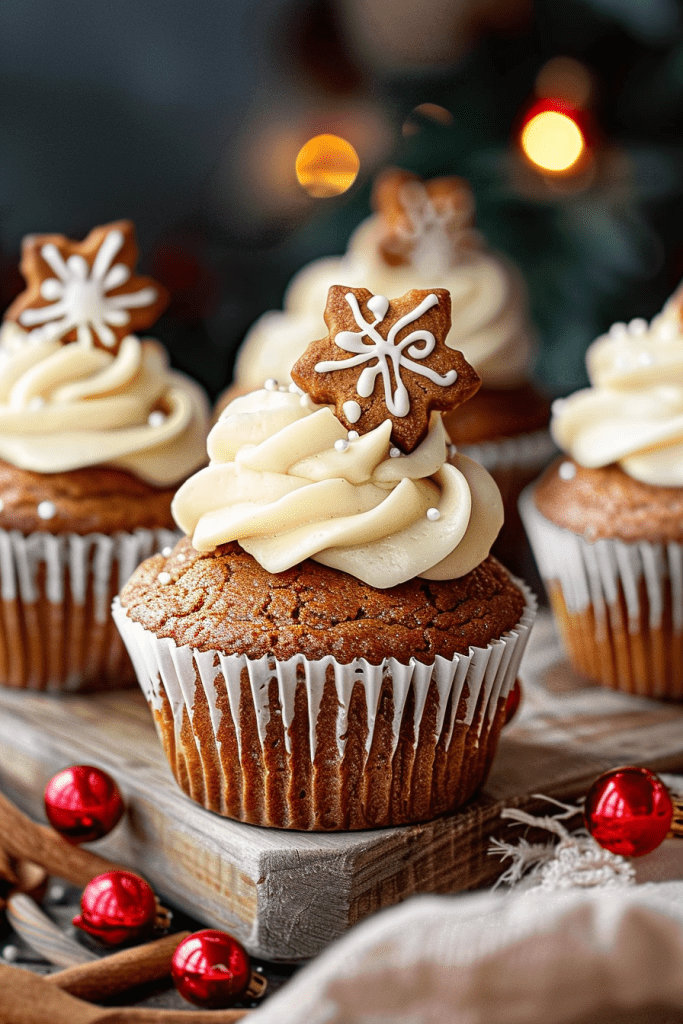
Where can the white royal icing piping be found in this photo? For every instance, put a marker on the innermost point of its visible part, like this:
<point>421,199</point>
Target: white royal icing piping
<point>385,350</point>
<point>78,295</point>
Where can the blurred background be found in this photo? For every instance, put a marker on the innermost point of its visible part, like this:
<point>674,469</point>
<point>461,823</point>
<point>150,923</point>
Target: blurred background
<point>188,118</point>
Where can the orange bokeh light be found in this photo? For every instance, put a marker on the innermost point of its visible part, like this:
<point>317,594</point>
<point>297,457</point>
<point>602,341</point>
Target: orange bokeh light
<point>327,166</point>
<point>553,139</point>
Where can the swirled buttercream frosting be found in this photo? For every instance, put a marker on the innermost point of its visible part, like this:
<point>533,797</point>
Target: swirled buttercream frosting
<point>490,323</point>
<point>65,407</point>
<point>289,482</point>
<point>632,414</point>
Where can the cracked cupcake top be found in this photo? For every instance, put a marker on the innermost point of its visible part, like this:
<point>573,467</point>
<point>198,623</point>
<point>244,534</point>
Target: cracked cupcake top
<point>228,602</point>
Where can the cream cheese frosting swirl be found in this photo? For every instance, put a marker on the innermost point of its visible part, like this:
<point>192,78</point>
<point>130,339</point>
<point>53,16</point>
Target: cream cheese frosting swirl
<point>490,324</point>
<point>65,407</point>
<point>633,412</point>
<point>287,482</point>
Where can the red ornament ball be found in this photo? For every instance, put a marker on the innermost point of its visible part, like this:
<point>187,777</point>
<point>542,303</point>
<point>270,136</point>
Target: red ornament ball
<point>117,907</point>
<point>628,811</point>
<point>83,803</point>
<point>513,701</point>
<point>211,969</point>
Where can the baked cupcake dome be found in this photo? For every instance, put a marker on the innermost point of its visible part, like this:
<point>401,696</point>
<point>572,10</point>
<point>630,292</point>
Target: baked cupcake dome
<point>606,523</point>
<point>95,434</point>
<point>315,670</point>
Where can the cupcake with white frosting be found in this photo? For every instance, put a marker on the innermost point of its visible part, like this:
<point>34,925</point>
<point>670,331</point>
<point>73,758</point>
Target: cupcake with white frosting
<point>422,236</point>
<point>96,433</point>
<point>606,522</point>
<point>331,647</point>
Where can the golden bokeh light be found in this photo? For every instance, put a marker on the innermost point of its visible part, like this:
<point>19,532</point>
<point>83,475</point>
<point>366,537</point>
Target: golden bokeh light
<point>553,141</point>
<point>327,166</point>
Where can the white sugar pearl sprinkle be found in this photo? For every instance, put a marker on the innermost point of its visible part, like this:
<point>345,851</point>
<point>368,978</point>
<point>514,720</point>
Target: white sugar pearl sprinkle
<point>47,510</point>
<point>433,514</point>
<point>394,452</point>
<point>164,577</point>
<point>567,471</point>
<point>637,326</point>
<point>271,384</point>
<point>10,954</point>
<point>341,445</point>
<point>353,435</point>
<point>181,558</point>
<point>156,418</point>
<point>166,552</point>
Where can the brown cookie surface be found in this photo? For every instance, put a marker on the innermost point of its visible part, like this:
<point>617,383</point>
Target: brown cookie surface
<point>86,291</point>
<point>408,207</point>
<point>386,359</point>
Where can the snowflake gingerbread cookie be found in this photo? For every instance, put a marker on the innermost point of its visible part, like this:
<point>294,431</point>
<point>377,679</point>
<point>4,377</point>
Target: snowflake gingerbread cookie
<point>417,215</point>
<point>399,367</point>
<point>86,291</point>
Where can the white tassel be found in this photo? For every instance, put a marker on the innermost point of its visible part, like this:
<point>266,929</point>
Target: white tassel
<point>577,861</point>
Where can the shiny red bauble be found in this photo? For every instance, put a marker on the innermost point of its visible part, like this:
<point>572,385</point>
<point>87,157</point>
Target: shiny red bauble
<point>83,803</point>
<point>211,969</point>
<point>117,907</point>
<point>628,811</point>
<point>513,701</point>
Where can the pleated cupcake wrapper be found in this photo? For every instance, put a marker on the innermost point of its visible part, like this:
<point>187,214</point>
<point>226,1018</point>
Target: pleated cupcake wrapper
<point>94,560</point>
<point>526,451</point>
<point>488,673</point>
<point>594,573</point>
<point>624,602</point>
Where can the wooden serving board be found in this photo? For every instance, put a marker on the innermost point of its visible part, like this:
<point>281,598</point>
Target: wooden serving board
<point>286,895</point>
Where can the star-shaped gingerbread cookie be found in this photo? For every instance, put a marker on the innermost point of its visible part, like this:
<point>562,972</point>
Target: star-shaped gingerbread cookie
<point>86,291</point>
<point>410,210</point>
<point>399,367</point>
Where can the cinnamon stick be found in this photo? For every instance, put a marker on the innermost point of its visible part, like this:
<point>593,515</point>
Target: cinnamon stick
<point>24,839</point>
<point>119,972</point>
<point>26,998</point>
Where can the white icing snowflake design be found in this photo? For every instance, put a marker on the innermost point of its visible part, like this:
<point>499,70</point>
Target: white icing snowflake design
<point>385,350</point>
<point>78,295</point>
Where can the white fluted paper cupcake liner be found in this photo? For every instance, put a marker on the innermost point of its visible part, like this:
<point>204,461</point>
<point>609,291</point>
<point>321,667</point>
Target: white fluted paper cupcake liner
<point>45,580</point>
<point>165,671</point>
<point>525,451</point>
<point>635,589</point>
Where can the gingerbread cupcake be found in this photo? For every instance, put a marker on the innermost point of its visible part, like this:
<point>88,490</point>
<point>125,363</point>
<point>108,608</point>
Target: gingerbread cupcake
<point>421,236</point>
<point>332,646</point>
<point>606,523</point>
<point>96,432</point>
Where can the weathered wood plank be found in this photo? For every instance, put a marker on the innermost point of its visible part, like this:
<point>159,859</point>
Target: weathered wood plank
<point>286,895</point>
